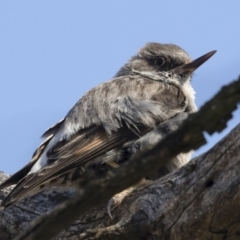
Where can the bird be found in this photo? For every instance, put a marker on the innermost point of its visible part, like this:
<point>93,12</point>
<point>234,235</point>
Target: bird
<point>110,121</point>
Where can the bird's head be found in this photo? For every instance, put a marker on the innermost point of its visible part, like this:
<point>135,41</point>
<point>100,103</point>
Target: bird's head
<point>163,58</point>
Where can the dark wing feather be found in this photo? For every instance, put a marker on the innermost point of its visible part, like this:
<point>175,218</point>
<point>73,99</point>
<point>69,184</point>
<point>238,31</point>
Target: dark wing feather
<point>69,156</point>
<point>52,130</point>
<point>16,177</point>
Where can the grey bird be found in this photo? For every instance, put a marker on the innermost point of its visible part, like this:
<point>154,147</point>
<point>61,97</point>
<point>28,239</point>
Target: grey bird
<point>111,120</point>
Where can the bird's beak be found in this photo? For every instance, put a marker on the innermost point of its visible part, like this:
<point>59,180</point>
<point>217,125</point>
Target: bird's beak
<point>192,66</point>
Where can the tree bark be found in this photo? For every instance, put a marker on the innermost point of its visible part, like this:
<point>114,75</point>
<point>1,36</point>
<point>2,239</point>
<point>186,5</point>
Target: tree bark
<point>199,201</point>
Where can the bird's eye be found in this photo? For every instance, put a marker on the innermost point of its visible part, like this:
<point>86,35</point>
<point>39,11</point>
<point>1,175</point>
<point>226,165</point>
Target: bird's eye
<point>159,62</point>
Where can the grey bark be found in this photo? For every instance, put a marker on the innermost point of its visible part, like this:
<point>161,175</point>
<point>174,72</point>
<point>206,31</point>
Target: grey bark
<point>200,201</point>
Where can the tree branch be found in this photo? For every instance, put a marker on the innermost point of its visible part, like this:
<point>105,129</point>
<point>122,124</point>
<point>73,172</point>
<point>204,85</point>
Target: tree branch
<point>200,201</point>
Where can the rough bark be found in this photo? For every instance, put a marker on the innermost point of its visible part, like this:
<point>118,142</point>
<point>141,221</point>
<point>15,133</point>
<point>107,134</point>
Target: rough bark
<point>200,201</point>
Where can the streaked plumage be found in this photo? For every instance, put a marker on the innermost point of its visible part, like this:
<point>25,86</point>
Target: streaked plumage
<point>151,88</point>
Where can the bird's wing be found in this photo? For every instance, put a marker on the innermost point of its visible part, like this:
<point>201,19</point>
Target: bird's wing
<point>69,166</point>
<point>53,129</point>
<point>48,135</point>
<point>16,177</point>
<point>68,158</point>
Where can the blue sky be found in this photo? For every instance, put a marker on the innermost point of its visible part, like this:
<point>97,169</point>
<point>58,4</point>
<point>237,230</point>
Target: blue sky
<point>52,52</point>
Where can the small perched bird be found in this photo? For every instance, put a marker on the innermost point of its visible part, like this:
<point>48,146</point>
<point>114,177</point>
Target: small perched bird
<point>152,88</point>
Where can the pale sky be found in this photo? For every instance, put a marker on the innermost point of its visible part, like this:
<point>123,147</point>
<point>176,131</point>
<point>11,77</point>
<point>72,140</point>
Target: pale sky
<point>52,52</point>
